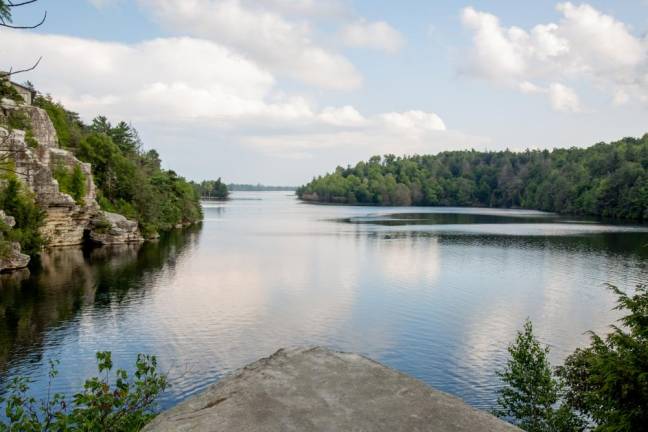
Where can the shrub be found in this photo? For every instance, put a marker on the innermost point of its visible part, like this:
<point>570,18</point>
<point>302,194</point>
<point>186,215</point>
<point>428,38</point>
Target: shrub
<point>104,404</point>
<point>18,202</point>
<point>531,392</point>
<point>71,182</point>
<point>601,388</point>
<point>8,91</point>
<point>608,381</point>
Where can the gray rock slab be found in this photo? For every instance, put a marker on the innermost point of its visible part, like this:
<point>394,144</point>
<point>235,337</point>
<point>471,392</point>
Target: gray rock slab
<point>316,389</point>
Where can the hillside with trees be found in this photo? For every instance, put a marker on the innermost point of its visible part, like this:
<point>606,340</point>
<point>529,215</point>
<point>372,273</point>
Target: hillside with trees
<point>129,180</point>
<point>605,180</point>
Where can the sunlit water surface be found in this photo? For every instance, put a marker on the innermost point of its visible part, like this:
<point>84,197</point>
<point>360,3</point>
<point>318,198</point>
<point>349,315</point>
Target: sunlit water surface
<point>435,292</point>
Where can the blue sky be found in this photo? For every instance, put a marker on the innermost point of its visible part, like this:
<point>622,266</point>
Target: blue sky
<point>276,91</point>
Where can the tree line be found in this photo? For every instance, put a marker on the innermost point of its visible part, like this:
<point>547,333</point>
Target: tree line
<point>607,180</point>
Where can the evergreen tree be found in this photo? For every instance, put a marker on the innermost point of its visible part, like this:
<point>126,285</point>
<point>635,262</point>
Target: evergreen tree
<point>531,392</point>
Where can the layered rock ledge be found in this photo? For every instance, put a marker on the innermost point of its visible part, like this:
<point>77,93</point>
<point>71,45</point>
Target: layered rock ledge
<point>67,222</point>
<point>321,390</point>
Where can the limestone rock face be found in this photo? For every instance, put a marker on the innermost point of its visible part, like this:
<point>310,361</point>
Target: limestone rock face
<point>67,221</point>
<point>111,228</point>
<point>319,390</point>
<point>42,127</point>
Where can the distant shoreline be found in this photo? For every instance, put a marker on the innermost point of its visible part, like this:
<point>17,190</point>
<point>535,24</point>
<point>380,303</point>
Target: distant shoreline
<point>235,187</point>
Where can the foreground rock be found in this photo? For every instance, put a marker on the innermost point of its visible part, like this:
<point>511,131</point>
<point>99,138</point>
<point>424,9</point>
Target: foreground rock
<point>321,390</point>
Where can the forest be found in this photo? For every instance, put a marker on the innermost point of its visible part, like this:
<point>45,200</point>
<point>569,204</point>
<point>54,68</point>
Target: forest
<point>129,179</point>
<point>211,189</point>
<point>605,180</point>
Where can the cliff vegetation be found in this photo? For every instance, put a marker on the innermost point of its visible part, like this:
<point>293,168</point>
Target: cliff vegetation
<point>129,180</point>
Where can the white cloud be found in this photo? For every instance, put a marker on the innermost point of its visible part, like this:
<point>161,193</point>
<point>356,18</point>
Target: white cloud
<point>414,121</point>
<point>563,98</point>
<point>376,35</point>
<point>410,132</point>
<point>200,87</point>
<point>345,116</point>
<point>263,35</point>
<point>586,45</point>
<point>168,78</point>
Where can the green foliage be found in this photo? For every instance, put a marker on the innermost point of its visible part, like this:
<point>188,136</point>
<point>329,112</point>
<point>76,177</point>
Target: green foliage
<point>30,139</point>
<point>5,249</point>
<point>211,189</point>
<point>603,387</point>
<point>69,127</point>
<point>18,119</point>
<point>7,91</point>
<point>106,404</point>
<point>607,180</point>
<point>5,245</point>
<point>531,392</point>
<point>5,11</point>
<point>608,381</point>
<point>129,180</point>
<point>16,201</point>
<point>71,182</point>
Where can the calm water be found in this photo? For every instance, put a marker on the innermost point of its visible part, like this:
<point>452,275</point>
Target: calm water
<point>437,293</point>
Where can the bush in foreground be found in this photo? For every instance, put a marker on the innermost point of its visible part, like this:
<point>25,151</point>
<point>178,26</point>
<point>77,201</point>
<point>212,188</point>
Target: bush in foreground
<point>106,403</point>
<point>603,387</point>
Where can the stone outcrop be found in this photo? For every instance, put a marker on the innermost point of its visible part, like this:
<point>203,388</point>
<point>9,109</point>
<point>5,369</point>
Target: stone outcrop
<point>67,221</point>
<point>321,390</point>
<point>11,258</point>
<point>112,228</point>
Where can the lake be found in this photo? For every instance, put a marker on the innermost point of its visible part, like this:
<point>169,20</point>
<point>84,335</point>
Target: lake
<point>437,293</point>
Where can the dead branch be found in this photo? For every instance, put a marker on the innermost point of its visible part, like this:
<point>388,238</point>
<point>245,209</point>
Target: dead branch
<point>12,4</point>
<point>4,24</point>
<point>12,72</point>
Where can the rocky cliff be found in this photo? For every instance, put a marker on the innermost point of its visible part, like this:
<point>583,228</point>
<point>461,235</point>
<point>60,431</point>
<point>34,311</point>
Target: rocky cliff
<point>35,158</point>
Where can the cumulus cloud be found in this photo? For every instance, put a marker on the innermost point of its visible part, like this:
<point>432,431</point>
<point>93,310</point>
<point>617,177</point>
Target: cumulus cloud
<point>409,132</point>
<point>584,45</point>
<point>156,79</point>
<point>563,98</point>
<point>376,35</point>
<point>195,84</point>
<point>285,46</point>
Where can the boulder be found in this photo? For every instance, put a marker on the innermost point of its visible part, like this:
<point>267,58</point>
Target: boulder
<point>321,390</point>
<point>11,258</point>
<point>111,228</point>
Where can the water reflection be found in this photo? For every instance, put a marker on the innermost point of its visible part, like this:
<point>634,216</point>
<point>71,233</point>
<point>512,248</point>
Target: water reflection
<point>434,294</point>
<point>62,282</point>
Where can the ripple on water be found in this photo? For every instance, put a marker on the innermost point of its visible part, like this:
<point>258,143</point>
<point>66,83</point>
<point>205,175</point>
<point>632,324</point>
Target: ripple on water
<point>436,293</point>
